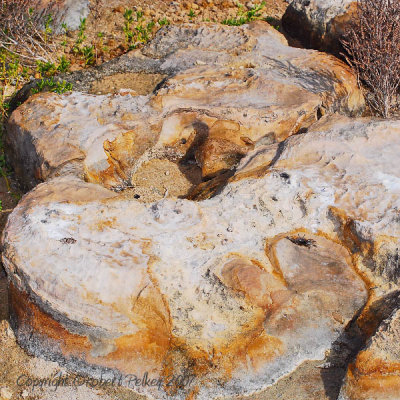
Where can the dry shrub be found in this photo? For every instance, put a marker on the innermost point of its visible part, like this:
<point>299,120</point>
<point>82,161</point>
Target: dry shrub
<point>26,31</point>
<point>373,46</point>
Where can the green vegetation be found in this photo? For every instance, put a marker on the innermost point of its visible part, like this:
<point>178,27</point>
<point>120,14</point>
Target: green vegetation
<point>164,21</point>
<point>64,64</point>
<point>88,55</point>
<point>12,75</point>
<point>81,36</point>
<point>47,27</point>
<point>244,17</point>
<point>50,69</point>
<point>191,14</point>
<point>128,16</point>
<point>273,22</point>
<point>65,29</point>
<point>46,68</point>
<point>39,52</point>
<point>142,30</point>
<point>51,85</point>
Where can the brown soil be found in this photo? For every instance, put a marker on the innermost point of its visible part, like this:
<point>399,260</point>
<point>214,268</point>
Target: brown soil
<point>157,179</point>
<point>140,84</point>
<point>9,199</point>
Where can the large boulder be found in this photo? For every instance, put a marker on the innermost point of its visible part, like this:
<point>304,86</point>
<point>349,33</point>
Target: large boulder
<point>233,292</point>
<point>211,93</point>
<point>319,24</point>
<point>209,221</point>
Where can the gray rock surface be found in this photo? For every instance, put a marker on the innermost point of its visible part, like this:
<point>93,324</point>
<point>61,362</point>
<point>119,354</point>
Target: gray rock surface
<point>319,24</point>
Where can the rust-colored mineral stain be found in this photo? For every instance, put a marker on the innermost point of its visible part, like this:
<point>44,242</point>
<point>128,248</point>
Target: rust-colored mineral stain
<point>30,317</point>
<point>150,344</point>
<point>368,364</point>
<point>251,344</point>
<point>253,280</point>
<point>255,173</point>
<point>105,223</point>
<point>371,386</point>
<point>121,154</point>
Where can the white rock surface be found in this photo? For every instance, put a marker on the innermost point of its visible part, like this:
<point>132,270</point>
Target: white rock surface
<point>235,291</point>
<point>239,76</point>
<point>239,289</point>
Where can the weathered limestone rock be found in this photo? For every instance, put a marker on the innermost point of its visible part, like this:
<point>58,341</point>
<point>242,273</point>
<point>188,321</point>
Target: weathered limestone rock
<point>295,236</point>
<point>342,178</point>
<point>375,374</point>
<point>228,88</point>
<point>319,24</point>
<point>97,137</point>
<point>176,288</point>
<point>237,290</point>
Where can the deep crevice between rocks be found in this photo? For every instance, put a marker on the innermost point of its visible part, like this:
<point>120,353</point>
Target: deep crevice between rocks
<point>353,339</point>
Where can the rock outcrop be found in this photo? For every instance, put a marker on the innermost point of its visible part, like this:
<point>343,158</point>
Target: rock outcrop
<point>226,89</point>
<point>188,291</point>
<point>319,24</point>
<point>235,291</point>
<point>293,239</point>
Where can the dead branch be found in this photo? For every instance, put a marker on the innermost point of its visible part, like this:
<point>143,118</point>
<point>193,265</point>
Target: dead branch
<point>372,43</point>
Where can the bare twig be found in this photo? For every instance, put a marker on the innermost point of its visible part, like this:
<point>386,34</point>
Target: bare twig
<point>373,46</point>
<point>21,31</point>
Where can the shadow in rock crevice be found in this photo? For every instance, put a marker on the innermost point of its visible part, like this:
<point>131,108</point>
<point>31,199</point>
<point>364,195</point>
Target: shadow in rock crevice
<point>353,339</point>
<point>4,312</point>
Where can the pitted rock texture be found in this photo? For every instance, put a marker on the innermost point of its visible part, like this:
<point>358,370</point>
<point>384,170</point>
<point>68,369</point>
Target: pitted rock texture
<point>319,24</point>
<point>375,374</point>
<point>227,89</point>
<point>177,287</point>
<point>237,290</point>
<point>342,178</point>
